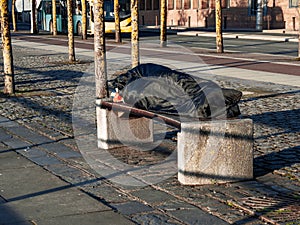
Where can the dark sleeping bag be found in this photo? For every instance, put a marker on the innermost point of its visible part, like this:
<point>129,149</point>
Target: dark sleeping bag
<point>160,89</point>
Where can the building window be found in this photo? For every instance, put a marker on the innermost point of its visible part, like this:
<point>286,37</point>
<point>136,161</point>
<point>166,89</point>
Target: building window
<point>226,4</point>
<point>253,7</point>
<point>178,4</point>
<point>212,4</point>
<point>155,4</point>
<point>142,5</point>
<point>170,4</point>
<point>148,4</point>
<point>195,4</point>
<point>205,4</point>
<point>187,4</point>
<point>293,3</point>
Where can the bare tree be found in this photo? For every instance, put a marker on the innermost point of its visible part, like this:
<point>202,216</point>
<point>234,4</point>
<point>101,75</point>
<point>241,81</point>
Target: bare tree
<point>70,31</point>
<point>117,21</point>
<point>13,15</point>
<point>84,19</point>
<point>163,23</point>
<point>135,55</point>
<point>33,21</point>
<point>219,36</point>
<point>54,21</point>
<point>9,83</point>
<point>100,51</point>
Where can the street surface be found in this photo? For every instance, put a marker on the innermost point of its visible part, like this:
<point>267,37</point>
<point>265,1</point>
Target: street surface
<point>48,182</point>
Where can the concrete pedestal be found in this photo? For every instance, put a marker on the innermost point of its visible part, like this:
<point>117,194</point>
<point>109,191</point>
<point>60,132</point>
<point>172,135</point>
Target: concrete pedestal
<point>211,152</point>
<point>116,130</point>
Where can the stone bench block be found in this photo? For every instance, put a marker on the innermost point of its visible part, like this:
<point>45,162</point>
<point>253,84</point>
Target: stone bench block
<point>211,152</point>
<point>116,129</point>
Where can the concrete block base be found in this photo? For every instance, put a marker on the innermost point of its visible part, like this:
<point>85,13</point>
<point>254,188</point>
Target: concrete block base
<point>117,129</point>
<point>211,152</point>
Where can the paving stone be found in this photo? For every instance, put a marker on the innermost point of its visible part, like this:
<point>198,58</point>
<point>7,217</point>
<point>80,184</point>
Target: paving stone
<point>154,219</point>
<point>10,160</point>
<point>4,135</point>
<point>7,123</point>
<point>129,208</point>
<point>45,160</point>
<point>105,191</point>
<point>152,196</point>
<point>36,194</point>
<point>196,216</point>
<point>17,144</point>
<point>61,151</point>
<point>106,217</point>
<point>32,137</point>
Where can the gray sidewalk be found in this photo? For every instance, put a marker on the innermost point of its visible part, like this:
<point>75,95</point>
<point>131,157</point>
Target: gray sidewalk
<point>32,195</point>
<point>44,179</point>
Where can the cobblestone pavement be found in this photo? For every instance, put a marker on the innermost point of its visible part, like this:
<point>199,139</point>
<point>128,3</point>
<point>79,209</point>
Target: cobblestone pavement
<point>43,104</point>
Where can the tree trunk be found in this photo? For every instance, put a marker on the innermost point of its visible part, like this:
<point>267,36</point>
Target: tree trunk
<point>9,84</point>
<point>84,19</point>
<point>219,36</point>
<point>299,29</point>
<point>117,21</point>
<point>100,51</point>
<point>70,31</point>
<point>54,21</point>
<point>33,17</point>
<point>13,14</point>
<point>135,55</point>
<point>163,24</point>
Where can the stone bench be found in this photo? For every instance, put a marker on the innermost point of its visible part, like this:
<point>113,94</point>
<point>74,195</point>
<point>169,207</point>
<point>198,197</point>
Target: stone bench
<point>114,129</point>
<point>218,151</point>
<point>209,152</point>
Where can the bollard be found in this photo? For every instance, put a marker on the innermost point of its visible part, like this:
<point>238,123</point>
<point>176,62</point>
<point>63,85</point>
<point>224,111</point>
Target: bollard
<point>213,152</point>
<point>116,129</point>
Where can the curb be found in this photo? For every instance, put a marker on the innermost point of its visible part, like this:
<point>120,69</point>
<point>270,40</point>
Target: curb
<point>241,36</point>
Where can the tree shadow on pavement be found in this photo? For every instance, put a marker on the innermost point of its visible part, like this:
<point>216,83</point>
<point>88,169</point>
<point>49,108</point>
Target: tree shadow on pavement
<point>276,160</point>
<point>278,147</point>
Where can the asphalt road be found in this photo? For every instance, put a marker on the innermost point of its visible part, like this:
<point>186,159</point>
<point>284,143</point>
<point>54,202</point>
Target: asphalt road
<point>236,45</point>
<point>289,49</point>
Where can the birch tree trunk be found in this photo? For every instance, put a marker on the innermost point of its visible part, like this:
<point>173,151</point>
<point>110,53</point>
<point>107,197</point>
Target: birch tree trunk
<point>9,83</point>
<point>13,14</point>
<point>33,17</point>
<point>117,22</point>
<point>100,51</point>
<point>84,19</point>
<point>219,36</point>
<point>135,54</point>
<point>54,21</point>
<point>70,31</point>
<point>163,24</point>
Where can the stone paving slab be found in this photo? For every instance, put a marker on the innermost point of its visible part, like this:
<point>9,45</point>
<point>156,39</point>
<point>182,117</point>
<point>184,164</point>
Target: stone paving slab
<point>91,218</point>
<point>30,193</point>
<point>128,208</point>
<point>10,160</point>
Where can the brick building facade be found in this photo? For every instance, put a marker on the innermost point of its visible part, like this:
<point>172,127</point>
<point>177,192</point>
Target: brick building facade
<point>237,14</point>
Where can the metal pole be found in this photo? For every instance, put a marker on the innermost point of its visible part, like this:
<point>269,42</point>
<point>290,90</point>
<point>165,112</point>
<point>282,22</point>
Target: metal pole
<point>259,16</point>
